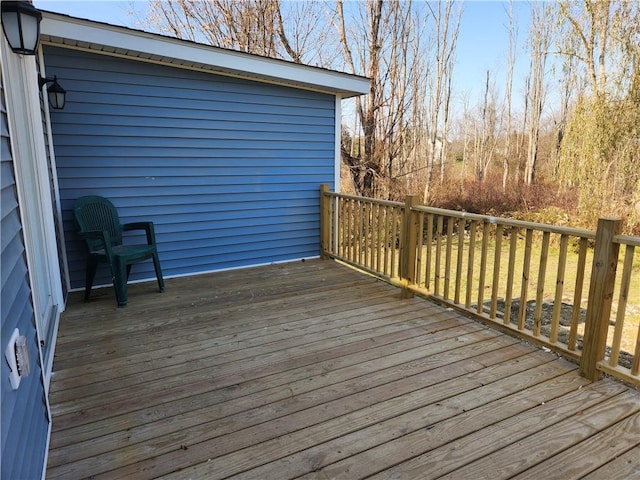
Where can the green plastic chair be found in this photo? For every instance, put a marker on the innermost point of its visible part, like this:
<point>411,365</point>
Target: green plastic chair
<point>99,225</point>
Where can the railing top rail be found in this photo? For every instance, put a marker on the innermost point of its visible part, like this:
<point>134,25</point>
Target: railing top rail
<point>510,222</point>
<point>387,203</point>
<point>627,240</point>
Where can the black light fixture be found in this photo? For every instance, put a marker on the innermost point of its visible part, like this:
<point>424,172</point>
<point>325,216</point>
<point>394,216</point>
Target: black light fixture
<point>21,25</point>
<point>57,95</point>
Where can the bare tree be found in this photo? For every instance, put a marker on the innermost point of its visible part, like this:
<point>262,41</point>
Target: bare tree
<point>539,41</point>
<point>486,137</point>
<point>446,24</point>
<point>265,27</point>
<point>467,122</point>
<point>511,60</point>
<point>569,87</point>
<point>381,40</point>
<point>589,37</point>
<point>366,167</point>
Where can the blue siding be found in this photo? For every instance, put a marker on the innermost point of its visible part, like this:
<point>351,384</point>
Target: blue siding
<point>229,170</point>
<point>24,420</point>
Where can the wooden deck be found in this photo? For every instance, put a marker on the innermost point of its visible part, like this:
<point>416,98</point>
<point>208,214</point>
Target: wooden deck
<point>313,370</point>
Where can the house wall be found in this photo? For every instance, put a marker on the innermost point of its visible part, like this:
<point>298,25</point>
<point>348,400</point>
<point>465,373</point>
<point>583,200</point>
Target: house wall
<point>24,424</point>
<point>228,169</point>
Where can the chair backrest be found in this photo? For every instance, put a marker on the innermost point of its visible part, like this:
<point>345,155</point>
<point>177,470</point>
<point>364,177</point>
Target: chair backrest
<point>98,213</point>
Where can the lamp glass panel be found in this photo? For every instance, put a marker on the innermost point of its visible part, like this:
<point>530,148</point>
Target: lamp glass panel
<point>11,30</point>
<point>30,31</point>
<point>57,99</point>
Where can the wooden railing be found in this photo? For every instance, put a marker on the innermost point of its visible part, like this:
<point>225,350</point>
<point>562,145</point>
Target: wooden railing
<point>555,286</point>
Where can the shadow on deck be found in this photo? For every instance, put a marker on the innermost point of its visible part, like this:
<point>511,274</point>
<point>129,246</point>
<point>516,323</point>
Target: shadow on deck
<point>313,369</point>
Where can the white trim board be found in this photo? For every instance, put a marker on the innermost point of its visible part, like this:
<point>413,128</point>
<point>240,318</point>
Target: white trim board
<point>33,189</point>
<point>338,145</point>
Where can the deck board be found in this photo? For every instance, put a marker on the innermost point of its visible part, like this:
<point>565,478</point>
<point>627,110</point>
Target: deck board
<point>621,468</point>
<point>313,370</point>
<point>600,448</point>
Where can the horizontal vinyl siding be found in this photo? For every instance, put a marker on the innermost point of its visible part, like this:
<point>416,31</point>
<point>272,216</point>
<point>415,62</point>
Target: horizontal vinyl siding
<point>24,423</point>
<point>227,169</point>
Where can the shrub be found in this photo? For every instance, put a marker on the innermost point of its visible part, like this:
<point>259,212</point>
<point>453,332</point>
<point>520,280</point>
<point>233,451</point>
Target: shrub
<point>541,203</point>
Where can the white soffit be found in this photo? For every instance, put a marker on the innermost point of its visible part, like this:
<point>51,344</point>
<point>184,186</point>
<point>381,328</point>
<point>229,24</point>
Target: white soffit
<point>71,32</point>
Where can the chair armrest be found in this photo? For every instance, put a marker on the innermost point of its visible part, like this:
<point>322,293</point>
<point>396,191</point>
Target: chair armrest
<point>102,236</point>
<point>146,226</point>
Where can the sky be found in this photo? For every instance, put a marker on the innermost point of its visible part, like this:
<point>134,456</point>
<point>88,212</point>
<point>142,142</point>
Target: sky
<point>482,41</point>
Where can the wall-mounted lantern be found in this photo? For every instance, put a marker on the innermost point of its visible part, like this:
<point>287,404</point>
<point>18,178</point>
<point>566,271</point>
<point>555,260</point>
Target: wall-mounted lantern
<point>21,25</point>
<point>57,95</point>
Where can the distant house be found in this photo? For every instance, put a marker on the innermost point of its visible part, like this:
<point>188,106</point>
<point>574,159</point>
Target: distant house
<point>223,151</point>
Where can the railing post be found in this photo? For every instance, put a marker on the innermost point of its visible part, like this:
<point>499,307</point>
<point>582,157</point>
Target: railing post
<point>325,221</point>
<point>408,245</point>
<point>603,275</point>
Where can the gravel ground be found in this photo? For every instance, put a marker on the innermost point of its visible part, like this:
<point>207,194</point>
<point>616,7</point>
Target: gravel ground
<point>566,310</point>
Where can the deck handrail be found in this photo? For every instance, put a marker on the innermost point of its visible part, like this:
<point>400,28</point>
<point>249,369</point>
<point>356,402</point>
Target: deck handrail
<point>389,203</point>
<point>511,222</point>
<point>459,259</point>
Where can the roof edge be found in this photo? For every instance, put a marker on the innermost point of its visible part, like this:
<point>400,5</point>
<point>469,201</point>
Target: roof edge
<point>65,30</point>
